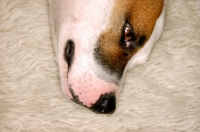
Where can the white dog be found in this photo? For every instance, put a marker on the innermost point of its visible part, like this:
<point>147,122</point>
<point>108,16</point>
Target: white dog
<point>97,40</point>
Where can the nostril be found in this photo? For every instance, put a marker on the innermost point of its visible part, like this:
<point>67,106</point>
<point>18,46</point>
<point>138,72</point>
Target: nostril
<point>69,52</point>
<point>106,104</point>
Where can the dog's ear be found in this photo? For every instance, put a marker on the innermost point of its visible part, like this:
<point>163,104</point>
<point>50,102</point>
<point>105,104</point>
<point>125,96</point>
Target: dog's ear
<point>143,54</point>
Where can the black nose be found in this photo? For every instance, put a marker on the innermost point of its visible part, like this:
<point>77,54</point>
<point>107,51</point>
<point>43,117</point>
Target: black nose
<point>106,104</point>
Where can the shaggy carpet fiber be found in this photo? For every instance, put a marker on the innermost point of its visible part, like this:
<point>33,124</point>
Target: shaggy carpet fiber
<point>162,95</point>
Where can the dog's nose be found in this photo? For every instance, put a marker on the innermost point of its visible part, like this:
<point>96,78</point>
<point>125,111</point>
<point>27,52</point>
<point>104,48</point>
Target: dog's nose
<point>106,104</point>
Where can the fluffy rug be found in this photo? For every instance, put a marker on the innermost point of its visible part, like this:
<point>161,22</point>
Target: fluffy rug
<point>163,95</point>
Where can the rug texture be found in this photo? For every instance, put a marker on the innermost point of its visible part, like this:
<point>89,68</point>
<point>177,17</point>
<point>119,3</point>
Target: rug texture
<point>162,95</point>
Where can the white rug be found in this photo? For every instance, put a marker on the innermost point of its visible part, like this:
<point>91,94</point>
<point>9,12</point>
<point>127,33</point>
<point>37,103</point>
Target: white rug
<point>163,95</point>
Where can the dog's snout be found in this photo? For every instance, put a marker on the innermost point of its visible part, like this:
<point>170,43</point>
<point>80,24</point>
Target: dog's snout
<point>69,52</point>
<point>106,104</point>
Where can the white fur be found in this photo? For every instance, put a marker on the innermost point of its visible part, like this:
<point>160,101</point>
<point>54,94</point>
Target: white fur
<point>73,20</point>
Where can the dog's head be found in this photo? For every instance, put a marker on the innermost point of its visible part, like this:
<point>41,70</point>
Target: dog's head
<point>98,40</point>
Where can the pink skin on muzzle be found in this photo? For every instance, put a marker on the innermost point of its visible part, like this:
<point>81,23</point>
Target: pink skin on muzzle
<point>88,87</point>
<point>92,92</point>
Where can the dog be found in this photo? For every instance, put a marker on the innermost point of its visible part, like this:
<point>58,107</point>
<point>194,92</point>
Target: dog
<point>96,41</point>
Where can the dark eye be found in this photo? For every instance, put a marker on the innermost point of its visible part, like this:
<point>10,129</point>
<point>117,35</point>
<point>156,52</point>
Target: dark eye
<point>129,37</point>
<point>130,40</point>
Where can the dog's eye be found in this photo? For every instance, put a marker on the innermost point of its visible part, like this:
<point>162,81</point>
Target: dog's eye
<point>128,35</point>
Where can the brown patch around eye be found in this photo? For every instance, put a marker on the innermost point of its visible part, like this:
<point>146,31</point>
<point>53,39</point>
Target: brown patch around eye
<point>118,43</point>
<point>110,54</point>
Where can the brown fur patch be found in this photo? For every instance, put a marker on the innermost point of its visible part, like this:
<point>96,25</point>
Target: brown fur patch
<point>142,16</point>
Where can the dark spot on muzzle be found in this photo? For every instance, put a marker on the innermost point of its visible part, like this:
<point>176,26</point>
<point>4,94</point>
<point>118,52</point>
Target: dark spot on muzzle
<point>75,97</point>
<point>105,105</point>
<point>69,52</point>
